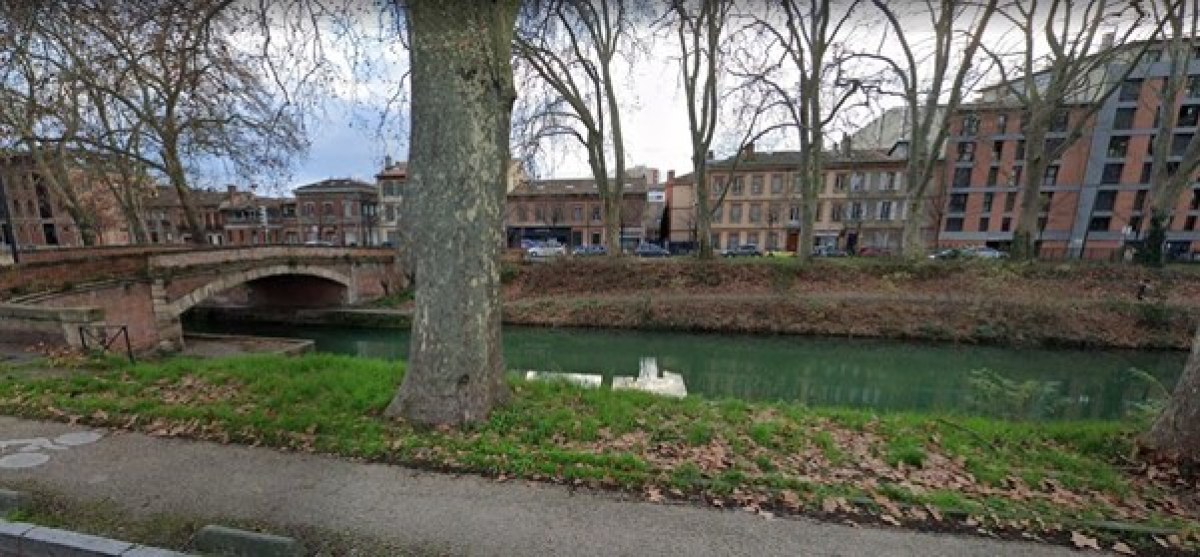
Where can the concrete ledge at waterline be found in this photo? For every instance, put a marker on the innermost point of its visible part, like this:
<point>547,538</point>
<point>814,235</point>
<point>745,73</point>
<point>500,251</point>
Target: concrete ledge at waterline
<point>12,501</point>
<point>220,540</point>
<point>29,540</point>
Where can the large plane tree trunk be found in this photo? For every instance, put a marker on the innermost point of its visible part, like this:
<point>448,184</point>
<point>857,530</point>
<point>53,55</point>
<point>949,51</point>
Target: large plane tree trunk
<point>462,96</point>
<point>1176,432</point>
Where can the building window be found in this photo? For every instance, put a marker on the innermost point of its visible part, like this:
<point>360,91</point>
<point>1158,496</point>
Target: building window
<point>966,151</point>
<point>1105,201</point>
<point>1189,115</point>
<point>755,213</point>
<point>1135,222</point>
<point>1131,89</point>
<point>1047,198</point>
<point>1018,171</point>
<point>958,203</point>
<point>776,184</point>
<point>737,186</point>
<point>522,214</point>
<point>1124,119</point>
<point>347,210</point>
<point>1061,120</point>
<point>988,198</point>
<point>962,177</point>
<point>856,211</point>
<point>772,241</point>
<point>752,238</point>
<point>954,224</point>
<point>1001,123</point>
<point>1147,170</point>
<point>1005,224</point>
<point>997,151</point>
<point>839,182</point>
<point>756,184</point>
<point>885,210</point>
<point>1051,177</point>
<point>1054,148</point>
<point>970,125</point>
<point>1139,200</point>
<point>1112,173</point>
<point>1180,143</point>
<point>1118,146</point>
<point>327,209</point>
<point>595,213</point>
<point>1020,150</point>
<point>993,176</point>
<point>539,213</point>
<point>1194,206</point>
<point>717,214</point>
<point>1099,224</point>
<point>735,214</point>
<point>984,224</point>
<point>1193,86</point>
<point>794,213</point>
<point>858,182</point>
<point>732,240</point>
<point>577,213</point>
<point>1010,201</point>
<point>1190,223</point>
<point>836,211</point>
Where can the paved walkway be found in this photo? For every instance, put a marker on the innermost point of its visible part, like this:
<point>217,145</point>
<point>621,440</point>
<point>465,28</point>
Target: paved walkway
<point>455,515</point>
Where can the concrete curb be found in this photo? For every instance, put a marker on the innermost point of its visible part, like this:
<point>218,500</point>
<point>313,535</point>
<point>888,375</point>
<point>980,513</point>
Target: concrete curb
<point>29,540</point>
<point>221,540</point>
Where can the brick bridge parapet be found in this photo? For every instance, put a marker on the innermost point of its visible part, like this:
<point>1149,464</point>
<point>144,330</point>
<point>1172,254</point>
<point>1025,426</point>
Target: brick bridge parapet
<point>148,292</point>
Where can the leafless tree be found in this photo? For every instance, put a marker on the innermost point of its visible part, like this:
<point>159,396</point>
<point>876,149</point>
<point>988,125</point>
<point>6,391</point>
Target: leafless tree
<point>173,86</point>
<point>933,76</point>
<point>804,41</point>
<point>571,47</point>
<point>1066,86</point>
<point>1170,178</point>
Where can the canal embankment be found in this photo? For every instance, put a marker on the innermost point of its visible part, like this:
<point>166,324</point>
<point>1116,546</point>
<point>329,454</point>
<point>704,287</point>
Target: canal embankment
<point>1052,305</point>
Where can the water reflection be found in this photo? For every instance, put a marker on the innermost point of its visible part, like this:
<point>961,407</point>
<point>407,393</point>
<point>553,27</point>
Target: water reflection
<point>820,372</point>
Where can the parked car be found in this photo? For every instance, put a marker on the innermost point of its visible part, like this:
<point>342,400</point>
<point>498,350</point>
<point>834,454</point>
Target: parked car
<point>744,250</point>
<point>828,251</point>
<point>527,243</point>
<point>318,243</point>
<point>950,253</point>
<point>589,251</point>
<point>546,250</point>
<point>651,250</point>
<point>870,251</point>
<point>984,252</point>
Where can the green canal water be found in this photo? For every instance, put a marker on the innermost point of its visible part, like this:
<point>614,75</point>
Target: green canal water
<point>887,375</point>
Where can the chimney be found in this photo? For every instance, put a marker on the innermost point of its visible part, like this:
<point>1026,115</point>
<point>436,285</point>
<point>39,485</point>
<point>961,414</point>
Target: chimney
<point>1106,41</point>
<point>748,150</point>
<point>231,189</point>
<point>387,162</point>
<point>670,175</point>
<point>847,146</point>
<point>710,156</point>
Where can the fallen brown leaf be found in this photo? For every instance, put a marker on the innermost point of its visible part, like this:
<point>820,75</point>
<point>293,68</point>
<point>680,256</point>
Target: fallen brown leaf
<point>1081,541</point>
<point>1123,549</point>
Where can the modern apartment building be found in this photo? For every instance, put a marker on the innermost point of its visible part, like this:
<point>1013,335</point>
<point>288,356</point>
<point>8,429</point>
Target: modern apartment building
<point>1093,196</point>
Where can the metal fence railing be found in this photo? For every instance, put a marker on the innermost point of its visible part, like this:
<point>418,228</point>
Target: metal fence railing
<point>98,339</point>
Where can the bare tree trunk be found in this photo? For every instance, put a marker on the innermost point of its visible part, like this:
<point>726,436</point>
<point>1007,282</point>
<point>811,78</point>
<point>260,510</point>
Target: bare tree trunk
<point>1024,246</point>
<point>461,110</point>
<point>612,222</point>
<point>1176,432</point>
<point>703,208</point>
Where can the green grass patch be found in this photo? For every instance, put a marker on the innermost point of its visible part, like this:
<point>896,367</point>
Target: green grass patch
<point>623,440</point>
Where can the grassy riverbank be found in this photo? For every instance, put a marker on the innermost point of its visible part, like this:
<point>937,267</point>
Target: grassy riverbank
<point>946,472</point>
<point>1079,304</point>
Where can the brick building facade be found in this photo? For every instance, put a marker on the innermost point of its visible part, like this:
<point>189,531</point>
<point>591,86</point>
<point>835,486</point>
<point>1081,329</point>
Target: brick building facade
<point>571,212</point>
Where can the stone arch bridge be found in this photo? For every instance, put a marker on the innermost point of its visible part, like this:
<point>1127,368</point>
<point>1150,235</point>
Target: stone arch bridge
<point>52,296</point>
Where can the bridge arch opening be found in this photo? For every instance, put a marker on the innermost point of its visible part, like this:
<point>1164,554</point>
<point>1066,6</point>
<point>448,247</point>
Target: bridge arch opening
<point>279,287</point>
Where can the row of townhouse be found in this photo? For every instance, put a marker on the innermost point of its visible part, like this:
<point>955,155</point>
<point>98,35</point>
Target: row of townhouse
<point>755,199</point>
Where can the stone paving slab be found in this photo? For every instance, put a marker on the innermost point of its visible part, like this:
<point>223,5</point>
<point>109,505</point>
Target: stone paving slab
<point>438,513</point>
